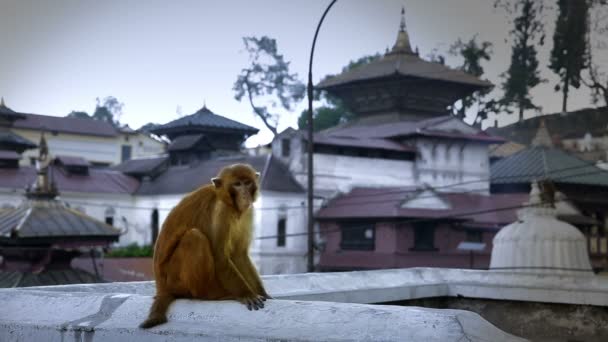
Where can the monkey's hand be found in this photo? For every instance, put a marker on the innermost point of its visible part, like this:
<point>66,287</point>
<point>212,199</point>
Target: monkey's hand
<point>254,302</point>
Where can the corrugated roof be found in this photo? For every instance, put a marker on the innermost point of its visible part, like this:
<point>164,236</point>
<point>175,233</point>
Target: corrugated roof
<point>9,279</point>
<point>66,125</point>
<point>97,180</point>
<point>541,162</point>
<point>402,64</point>
<point>51,219</point>
<point>72,161</point>
<point>386,203</point>
<point>206,119</point>
<point>506,149</point>
<point>184,179</point>
<point>8,113</point>
<point>141,166</point>
<point>427,127</point>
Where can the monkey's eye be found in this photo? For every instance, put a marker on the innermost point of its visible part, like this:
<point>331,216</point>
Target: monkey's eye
<point>237,184</point>
<point>248,183</point>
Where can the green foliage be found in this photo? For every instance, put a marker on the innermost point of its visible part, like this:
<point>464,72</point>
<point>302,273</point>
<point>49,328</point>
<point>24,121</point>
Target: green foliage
<point>527,33</point>
<point>78,114</point>
<point>131,251</point>
<point>473,54</point>
<point>267,77</point>
<point>570,55</point>
<point>108,110</point>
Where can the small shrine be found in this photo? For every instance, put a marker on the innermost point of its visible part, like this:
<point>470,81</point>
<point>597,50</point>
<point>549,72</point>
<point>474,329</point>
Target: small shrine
<point>40,237</point>
<point>540,243</point>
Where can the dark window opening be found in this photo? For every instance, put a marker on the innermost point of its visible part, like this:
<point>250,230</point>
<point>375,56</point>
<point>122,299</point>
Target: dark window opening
<point>424,237</point>
<point>154,226</point>
<point>110,220</point>
<point>474,236</point>
<point>357,236</point>
<point>125,153</point>
<point>285,147</point>
<point>281,232</point>
<point>33,161</point>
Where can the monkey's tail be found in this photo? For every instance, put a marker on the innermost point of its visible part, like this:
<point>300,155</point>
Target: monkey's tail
<point>158,311</point>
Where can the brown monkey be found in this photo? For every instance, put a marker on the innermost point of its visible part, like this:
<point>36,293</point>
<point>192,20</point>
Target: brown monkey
<point>202,249</point>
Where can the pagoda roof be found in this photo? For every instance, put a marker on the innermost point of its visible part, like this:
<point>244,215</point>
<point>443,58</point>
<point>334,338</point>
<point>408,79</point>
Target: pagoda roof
<point>402,61</point>
<point>10,138</point>
<point>8,113</point>
<point>43,218</point>
<point>204,119</point>
<point>402,65</point>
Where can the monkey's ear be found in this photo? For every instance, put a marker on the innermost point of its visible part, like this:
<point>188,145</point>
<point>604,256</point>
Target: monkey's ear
<point>257,174</point>
<point>216,181</point>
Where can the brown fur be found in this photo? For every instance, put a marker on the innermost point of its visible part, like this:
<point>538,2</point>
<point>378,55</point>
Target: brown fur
<point>202,249</point>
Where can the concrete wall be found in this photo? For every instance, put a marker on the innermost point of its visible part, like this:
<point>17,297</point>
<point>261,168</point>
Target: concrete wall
<point>95,149</point>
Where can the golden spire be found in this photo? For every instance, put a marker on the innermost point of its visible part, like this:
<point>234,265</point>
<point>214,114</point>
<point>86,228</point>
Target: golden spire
<point>2,102</point>
<point>402,45</point>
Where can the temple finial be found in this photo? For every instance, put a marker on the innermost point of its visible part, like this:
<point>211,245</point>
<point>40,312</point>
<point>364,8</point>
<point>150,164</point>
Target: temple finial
<point>402,44</point>
<point>2,102</point>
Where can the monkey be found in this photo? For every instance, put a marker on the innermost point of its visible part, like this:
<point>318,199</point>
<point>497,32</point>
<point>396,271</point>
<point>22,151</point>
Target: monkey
<point>202,251</point>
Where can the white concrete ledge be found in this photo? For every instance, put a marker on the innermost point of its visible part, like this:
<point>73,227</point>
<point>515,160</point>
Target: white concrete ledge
<point>403,284</point>
<point>34,315</point>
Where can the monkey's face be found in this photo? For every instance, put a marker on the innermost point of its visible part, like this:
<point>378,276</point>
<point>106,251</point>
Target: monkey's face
<point>242,193</point>
<point>237,185</point>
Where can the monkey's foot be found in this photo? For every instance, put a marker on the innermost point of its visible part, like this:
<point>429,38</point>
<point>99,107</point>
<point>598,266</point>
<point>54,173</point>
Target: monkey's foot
<point>253,302</point>
<point>153,321</point>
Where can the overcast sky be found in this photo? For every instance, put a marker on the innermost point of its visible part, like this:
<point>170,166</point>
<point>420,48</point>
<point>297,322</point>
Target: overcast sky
<point>58,56</point>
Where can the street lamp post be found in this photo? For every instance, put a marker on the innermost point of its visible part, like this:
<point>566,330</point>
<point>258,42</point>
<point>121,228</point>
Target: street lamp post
<point>311,222</point>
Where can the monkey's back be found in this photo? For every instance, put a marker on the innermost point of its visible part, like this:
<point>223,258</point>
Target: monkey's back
<point>193,211</point>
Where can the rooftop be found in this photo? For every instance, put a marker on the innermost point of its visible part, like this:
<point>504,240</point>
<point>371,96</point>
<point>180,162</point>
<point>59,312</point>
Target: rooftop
<point>204,119</point>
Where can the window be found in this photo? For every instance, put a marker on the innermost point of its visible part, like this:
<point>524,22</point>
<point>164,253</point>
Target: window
<point>358,236</point>
<point>281,232</point>
<point>154,226</point>
<point>285,147</point>
<point>125,153</point>
<point>473,236</point>
<point>33,161</point>
<point>109,215</point>
<point>110,220</point>
<point>424,237</point>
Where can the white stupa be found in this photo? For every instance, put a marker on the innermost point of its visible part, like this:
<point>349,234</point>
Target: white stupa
<point>540,243</point>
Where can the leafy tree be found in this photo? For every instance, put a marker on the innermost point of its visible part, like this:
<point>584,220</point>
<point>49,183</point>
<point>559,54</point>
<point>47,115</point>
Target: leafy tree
<point>78,114</point>
<point>527,33</point>
<point>332,112</point>
<point>597,79</point>
<point>108,110</point>
<point>569,56</point>
<point>473,53</point>
<point>267,77</point>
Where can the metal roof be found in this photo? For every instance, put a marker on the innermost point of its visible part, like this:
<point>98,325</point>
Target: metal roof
<point>183,179</point>
<point>66,125</point>
<point>541,162</point>
<point>141,166</point>
<point>405,65</point>
<point>96,181</point>
<point>185,142</point>
<point>386,203</point>
<point>36,218</point>
<point>366,143</point>
<point>9,279</point>
<point>204,118</point>
<point>13,139</point>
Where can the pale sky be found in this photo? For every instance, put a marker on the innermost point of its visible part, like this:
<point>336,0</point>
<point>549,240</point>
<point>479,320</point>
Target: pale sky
<point>58,56</point>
